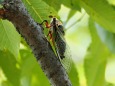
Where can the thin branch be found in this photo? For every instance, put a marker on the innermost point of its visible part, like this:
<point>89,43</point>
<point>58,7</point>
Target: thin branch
<point>15,12</point>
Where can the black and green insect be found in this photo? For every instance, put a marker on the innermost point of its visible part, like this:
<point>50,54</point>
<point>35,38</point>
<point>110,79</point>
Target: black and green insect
<point>56,34</point>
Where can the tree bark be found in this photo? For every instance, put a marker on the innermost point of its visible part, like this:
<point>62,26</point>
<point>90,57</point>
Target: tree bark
<point>15,12</point>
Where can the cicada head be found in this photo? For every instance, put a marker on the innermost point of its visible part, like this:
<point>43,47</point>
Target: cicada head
<point>58,23</point>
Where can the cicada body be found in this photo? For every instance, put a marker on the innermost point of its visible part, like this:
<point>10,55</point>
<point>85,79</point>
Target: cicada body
<point>56,33</point>
<point>57,37</point>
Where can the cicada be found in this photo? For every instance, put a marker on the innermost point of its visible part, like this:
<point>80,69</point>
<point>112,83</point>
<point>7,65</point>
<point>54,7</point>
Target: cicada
<point>56,34</point>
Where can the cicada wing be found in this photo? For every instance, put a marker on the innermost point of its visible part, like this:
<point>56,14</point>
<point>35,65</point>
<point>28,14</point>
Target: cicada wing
<point>61,45</point>
<point>67,61</point>
<point>63,50</point>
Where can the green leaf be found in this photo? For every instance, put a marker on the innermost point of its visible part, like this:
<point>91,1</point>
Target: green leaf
<point>31,71</point>
<point>109,84</point>
<point>8,64</point>
<point>39,10</point>
<point>107,38</point>
<point>6,83</point>
<point>73,4</point>
<point>56,4</point>
<point>101,11</point>
<point>73,75</point>
<point>9,38</point>
<point>95,61</point>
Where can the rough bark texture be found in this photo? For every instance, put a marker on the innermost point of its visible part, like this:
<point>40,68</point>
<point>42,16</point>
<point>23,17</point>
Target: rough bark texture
<point>16,13</point>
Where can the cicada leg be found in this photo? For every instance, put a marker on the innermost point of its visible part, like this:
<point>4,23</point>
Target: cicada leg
<point>50,34</point>
<point>50,31</point>
<point>46,23</point>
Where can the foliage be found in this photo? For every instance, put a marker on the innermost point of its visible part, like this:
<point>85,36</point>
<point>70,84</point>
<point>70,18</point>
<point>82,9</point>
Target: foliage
<point>92,30</point>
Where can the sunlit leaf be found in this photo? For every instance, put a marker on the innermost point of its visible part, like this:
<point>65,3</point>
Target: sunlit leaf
<point>72,4</point>
<point>8,64</point>
<point>110,84</point>
<point>56,4</point>
<point>39,10</point>
<point>106,37</point>
<point>95,61</point>
<point>31,70</point>
<point>9,38</point>
<point>101,11</point>
<point>73,74</point>
<point>6,83</point>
